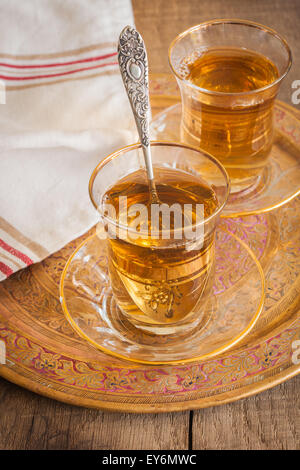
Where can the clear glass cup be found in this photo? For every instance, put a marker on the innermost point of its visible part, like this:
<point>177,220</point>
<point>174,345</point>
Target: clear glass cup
<point>234,126</point>
<point>161,283</point>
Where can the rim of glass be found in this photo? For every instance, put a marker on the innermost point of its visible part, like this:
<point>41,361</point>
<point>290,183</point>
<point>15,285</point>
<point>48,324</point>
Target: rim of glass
<point>138,145</point>
<point>252,24</point>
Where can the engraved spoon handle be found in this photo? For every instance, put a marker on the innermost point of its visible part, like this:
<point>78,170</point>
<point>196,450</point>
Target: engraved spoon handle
<point>133,62</point>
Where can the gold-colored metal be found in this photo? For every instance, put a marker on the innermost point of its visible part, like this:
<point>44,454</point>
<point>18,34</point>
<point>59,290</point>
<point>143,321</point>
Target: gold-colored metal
<point>45,355</point>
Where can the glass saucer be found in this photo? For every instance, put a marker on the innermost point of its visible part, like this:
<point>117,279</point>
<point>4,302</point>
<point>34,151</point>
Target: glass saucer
<point>280,180</point>
<point>231,312</point>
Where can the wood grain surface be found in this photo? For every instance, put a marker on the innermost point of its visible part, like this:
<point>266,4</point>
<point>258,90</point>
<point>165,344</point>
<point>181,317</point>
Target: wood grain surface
<point>29,421</point>
<point>269,420</point>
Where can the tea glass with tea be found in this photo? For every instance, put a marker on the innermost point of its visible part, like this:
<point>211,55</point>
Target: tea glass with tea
<point>229,73</point>
<point>161,257</point>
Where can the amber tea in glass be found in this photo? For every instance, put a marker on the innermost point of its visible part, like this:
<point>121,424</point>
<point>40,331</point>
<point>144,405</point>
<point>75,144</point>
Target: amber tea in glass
<point>154,280</point>
<point>161,281</point>
<point>229,73</point>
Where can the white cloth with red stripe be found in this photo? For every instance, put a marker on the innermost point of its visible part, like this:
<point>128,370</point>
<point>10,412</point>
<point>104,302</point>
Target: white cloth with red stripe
<point>66,109</point>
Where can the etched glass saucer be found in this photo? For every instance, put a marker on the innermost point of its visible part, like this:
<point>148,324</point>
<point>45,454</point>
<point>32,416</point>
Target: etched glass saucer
<point>231,312</point>
<point>280,180</point>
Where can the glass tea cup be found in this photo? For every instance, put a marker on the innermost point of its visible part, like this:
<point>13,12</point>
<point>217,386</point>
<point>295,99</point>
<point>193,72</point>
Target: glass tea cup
<point>161,273</point>
<point>229,73</point>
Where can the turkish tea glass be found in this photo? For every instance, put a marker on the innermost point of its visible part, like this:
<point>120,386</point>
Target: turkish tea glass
<point>161,278</point>
<point>229,73</point>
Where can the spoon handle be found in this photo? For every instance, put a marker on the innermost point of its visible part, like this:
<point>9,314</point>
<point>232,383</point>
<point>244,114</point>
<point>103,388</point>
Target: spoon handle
<point>133,64</point>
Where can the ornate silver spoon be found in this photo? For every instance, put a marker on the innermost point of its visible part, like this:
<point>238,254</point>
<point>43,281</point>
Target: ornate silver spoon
<point>133,64</point>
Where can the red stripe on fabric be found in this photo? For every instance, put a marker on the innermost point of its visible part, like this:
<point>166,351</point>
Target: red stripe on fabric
<point>13,251</point>
<point>35,77</point>
<point>61,64</point>
<point>5,269</point>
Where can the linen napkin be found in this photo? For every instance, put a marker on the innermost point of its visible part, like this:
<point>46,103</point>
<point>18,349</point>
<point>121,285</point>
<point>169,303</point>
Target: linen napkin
<point>65,110</point>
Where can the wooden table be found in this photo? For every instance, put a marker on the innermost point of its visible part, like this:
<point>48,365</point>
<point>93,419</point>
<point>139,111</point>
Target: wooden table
<point>267,421</point>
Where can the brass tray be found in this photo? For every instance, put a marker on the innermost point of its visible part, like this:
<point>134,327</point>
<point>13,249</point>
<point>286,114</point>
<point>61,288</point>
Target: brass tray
<point>46,356</point>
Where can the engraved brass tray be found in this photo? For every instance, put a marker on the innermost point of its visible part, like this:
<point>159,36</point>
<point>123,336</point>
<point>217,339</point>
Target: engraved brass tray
<point>46,356</point>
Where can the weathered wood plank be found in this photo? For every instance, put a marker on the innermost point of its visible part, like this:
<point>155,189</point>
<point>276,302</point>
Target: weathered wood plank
<point>29,421</point>
<point>270,420</point>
